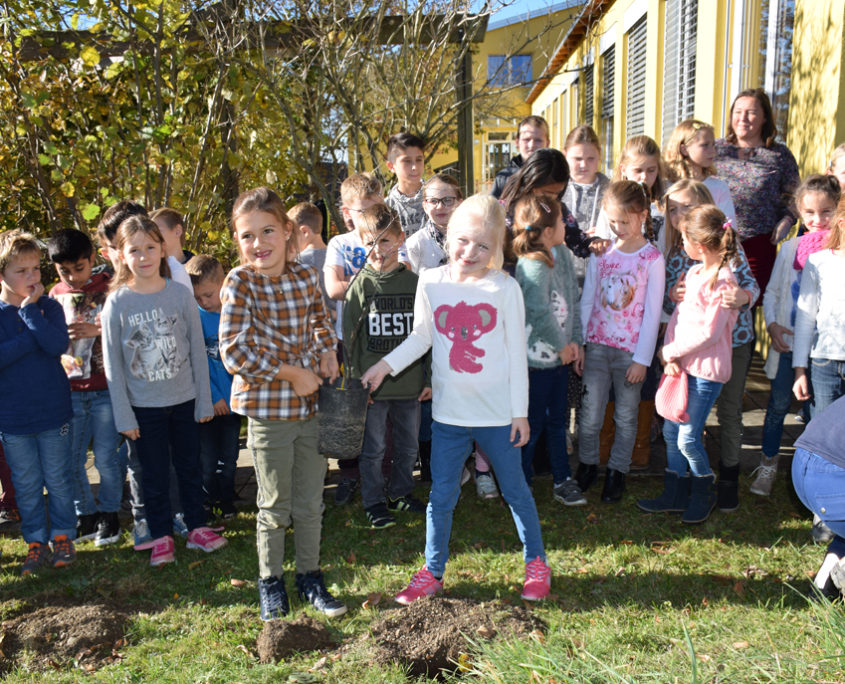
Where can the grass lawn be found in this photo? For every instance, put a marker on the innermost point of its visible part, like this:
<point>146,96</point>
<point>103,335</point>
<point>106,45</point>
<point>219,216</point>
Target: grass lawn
<point>635,598</point>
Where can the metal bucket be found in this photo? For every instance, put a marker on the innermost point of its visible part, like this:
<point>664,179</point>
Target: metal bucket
<point>342,415</point>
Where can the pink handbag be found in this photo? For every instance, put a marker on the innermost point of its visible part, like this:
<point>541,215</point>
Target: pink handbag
<point>671,398</point>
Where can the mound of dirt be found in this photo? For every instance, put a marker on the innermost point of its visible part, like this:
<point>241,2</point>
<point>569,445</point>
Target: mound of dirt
<point>280,638</point>
<point>431,633</point>
<point>56,634</point>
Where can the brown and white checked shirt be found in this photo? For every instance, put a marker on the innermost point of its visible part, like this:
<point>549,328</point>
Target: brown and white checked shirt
<point>267,321</point>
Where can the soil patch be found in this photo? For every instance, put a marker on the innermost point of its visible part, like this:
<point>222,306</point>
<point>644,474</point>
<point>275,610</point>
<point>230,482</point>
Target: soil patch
<point>431,633</point>
<point>281,638</point>
<point>90,634</point>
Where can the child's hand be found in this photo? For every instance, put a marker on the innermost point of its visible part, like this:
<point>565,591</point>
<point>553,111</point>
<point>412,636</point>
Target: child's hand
<point>83,329</point>
<point>132,434</point>
<point>375,375</point>
<point>635,373</point>
<point>676,294</point>
<point>569,353</point>
<point>776,332</point>
<point>782,229</point>
<point>328,366</point>
<point>519,426</point>
<point>672,368</point>
<point>599,247</point>
<point>579,362</point>
<point>304,381</point>
<point>425,395</point>
<point>220,408</point>
<point>734,297</point>
<point>34,296</point>
<point>206,419</point>
<point>801,388</point>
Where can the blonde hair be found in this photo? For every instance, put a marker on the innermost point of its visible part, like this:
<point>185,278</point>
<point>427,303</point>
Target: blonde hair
<point>582,135</point>
<point>643,146</point>
<point>631,197</point>
<point>264,199</point>
<point>679,165</point>
<point>838,153</point>
<point>708,226</point>
<point>701,193</point>
<point>308,215</point>
<point>15,243</point>
<point>360,186</point>
<point>128,228</point>
<point>837,227</point>
<point>486,210</point>
<point>532,214</point>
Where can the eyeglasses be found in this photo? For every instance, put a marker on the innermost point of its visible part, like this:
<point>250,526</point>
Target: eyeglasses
<point>440,201</point>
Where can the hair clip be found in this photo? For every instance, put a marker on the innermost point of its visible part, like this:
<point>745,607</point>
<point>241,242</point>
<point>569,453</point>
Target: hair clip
<point>545,207</point>
<point>727,224</point>
<point>529,227</point>
<point>696,125</point>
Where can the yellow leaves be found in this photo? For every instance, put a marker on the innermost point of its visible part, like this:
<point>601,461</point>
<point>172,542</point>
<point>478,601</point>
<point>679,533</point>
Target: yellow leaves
<point>89,56</point>
<point>68,189</point>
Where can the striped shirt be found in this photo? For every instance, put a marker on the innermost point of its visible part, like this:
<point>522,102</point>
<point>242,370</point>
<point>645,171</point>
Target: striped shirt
<point>267,321</point>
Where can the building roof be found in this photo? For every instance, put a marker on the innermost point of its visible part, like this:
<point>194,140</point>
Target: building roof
<point>592,12</point>
<point>532,14</point>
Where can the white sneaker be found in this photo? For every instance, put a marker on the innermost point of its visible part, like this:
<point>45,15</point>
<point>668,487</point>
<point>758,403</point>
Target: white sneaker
<point>765,472</point>
<point>485,486</point>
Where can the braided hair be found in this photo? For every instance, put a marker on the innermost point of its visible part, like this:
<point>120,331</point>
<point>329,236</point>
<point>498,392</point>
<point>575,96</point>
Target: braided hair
<point>532,215</point>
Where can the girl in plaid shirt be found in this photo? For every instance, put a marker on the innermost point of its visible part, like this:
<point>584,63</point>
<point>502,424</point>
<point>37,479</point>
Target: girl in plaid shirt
<point>276,338</point>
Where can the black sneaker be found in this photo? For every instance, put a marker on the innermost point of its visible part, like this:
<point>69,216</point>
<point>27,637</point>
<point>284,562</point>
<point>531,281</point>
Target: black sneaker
<point>379,517</point>
<point>86,526</point>
<point>406,503</point>
<point>272,598</point>
<point>311,587</point>
<point>227,510</point>
<point>108,529</point>
<point>345,491</point>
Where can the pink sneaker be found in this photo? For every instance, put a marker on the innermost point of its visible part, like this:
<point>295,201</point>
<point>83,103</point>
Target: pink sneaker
<point>162,551</point>
<point>205,539</point>
<point>538,580</point>
<point>423,583</point>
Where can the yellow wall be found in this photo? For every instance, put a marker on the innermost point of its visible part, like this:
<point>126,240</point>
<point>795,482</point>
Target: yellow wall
<point>817,101</point>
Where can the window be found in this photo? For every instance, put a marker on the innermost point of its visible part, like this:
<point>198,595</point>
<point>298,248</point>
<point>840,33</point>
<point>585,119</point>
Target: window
<point>509,71</point>
<point>498,151</point>
<point>778,16</point>
<point>608,69</point>
<point>635,96</point>
<point>588,95</point>
<point>555,140</point>
<point>679,63</point>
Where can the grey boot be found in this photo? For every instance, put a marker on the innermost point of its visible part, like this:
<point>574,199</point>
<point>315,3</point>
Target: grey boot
<point>675,496</point>
<point>702,499</point>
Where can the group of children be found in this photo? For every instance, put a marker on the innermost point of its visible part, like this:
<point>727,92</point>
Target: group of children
<point>464,318</point>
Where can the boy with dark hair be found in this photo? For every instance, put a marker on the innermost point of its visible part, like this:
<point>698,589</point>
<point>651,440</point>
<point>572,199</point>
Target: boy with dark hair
<point>378,316</point>
<point>308,223</point>
<point>219,438</point>
<point>82,295</point>
<point>36,411</point>
<point>532,134</point>
<point>406,158</point>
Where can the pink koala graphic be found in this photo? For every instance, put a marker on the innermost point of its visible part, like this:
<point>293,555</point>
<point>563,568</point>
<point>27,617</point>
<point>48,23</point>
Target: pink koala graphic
<point>463,324</point>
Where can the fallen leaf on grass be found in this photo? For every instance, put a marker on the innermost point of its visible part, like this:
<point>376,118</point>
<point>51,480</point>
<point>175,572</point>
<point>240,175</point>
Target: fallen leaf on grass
<point>538,636</point>
<point>739,588</point>
<point>703,657</point>
<point>582,571</point>
<point>627,542</point>
<point>592,518</point>
<point>662,547</point>
<point>89,667</point>
<point>243,648</point>
<point>351,558</point>
<point>320,664</point>
<point>195,564</point>
<point>237,582</point>
<point>486,632</point>
<point>372,601</point>
<point>740,644</point>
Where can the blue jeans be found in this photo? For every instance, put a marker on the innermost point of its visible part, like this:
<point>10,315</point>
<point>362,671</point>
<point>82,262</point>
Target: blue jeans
<point>820,485</point>
<point>548,408</point>
<point>219,448</point>
<point>683,440</point>
<point>93,423</point>
<point>828,382</point>
<point>605,367</point>
<point>37,461</point>
<point>780,399</point>
<point>405,418</point>
<point>165,430</point>
<point>451,444</point>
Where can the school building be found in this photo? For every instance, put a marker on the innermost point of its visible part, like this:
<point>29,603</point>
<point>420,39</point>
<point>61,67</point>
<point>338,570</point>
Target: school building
<point>631,67</point>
